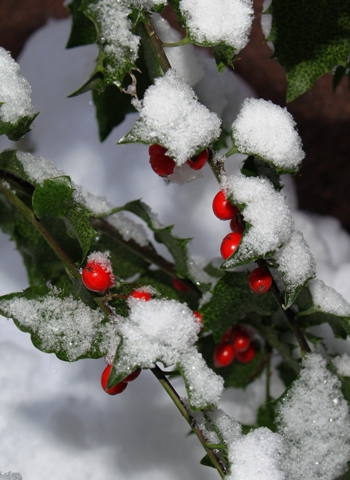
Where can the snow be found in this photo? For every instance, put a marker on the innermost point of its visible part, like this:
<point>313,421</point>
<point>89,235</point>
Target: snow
<point>117,41</point>
<point>265,210</point>
<point>184,58</point>
<point>342,364</point>
<point>103,259</point>
<point>222,21</point>
<point>147,4</point>
<point>170,101</point>
<point>15,91</point>
<point>328,300</point>
<point>10,476</point>
<point>268,131</point>
<point>69,325</point>
<point>296,262</point>
<point>313,418</point>
<point>257,456</point>
<point>266,24</point>
<point>166,330</point>
<point>38,168</point>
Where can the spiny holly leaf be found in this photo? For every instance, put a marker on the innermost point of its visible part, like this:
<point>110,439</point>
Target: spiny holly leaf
<point>310,39</point>
<point>117,44</point>
<point>176,246</point>
<point>54,198</point>
<point>236,375</point>
<point>33,247</point>
<point>224,56</point>
<point>59,324</point>
<point>14,131</point>
<point>83,30</point>
<point>254,167</point>
<point>232,298</point>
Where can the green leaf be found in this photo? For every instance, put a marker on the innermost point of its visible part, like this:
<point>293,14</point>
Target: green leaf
<point>118,54</point>
<point>14,131</point>
<point>286,374</point>
<point>339,325</point>
<point>310,39</point>
<point>224,56</point>
<point>232,298</point>
<point>57,323</point>
<point>254,167</point>
<point>236,375</point>
<point>83,30</point>
<point>266,416</point>
<point>206,461</point>
<point>176,246</point>
<point>54,198</point>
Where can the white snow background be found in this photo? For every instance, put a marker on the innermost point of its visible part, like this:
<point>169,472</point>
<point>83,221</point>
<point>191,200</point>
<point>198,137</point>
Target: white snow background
<point>55,420</point>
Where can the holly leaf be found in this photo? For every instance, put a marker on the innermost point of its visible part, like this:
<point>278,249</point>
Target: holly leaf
<point>54,198</point>
<point>59,324</point>
<point>266,416</point>
<point>254,167</point>
<point>14,131</point>
<point>310,39</point>
<point>231,299</point>
<point>224,56</point>
<point>83,30</point>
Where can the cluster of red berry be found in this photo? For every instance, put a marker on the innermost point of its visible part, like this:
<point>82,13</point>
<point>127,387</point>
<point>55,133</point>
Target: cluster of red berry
<point>119,387</point>
<point>235,343</point>
<point>260,279</point>
<point>164,165</point>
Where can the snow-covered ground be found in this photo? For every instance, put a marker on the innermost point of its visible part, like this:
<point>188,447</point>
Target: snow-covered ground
<point>55,421</point>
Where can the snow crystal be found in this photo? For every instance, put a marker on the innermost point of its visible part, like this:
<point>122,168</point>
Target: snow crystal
<point>100,205</point>
<point>267,213</point>
<point>37,168</point>
<point>10,476</point>
<point>147,4</point>
<point>65,325</point>
<point>184,174</point>
<point>342,364</point>
<point>116,37</point>
<point>267,130</point>
<point>222,21</point>
<point>230,430</point>
<point>172,116</point>
<point>183,59</point>
<point>327,300</point>
<point>15,91</point>
<point>103,259</point>
<point>165,331</point>
<point>257,455</point>
<point>313,417</point>
<point>296,261</point>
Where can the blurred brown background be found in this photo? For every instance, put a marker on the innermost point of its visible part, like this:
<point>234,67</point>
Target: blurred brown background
<point>323,117</point>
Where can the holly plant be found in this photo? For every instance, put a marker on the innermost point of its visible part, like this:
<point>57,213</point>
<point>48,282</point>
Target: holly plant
<point>99,286</point>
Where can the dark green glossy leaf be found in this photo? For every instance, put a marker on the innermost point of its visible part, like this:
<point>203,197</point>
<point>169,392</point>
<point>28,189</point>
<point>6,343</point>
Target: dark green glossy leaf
<point>83,30</point>
<point>232,299</point>
<point>224,56</point>
<point>266,416</point>
<point>254,167</point>
<point>14,131</point>
<point>206,461</point>
<point>310,39</point>
<point>339,325</point>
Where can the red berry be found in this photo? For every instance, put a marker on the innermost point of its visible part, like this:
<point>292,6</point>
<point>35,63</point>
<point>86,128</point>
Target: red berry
<point>160,162</point>
<point>227,336</point>
<point>229,244</point>
<point>141,295</point>
<point>222,208</point>
<point>178,285</point>
<point>132,375</point>
<point>224,355</point>
<point>97,277</point>
<point>198,162</point>
<point>241,341</point>
<point>199,317</point>
<point>260,280</point>
<point>247,356</point>
<point>236,225</point>
<point>118,388</point>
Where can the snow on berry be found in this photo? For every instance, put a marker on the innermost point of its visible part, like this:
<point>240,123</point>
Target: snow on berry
<point>170,101</point>
<point>265,210</point>
<point>295,262</point>
<point>268,131</point>
<point>15,91</point>
<point>97,275</point>
<point>222,21</point>
<point>63,326</point>
<point>313,418</point>
<point>184,58</point>
<point>328,300</point>
<point>165,331</point>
